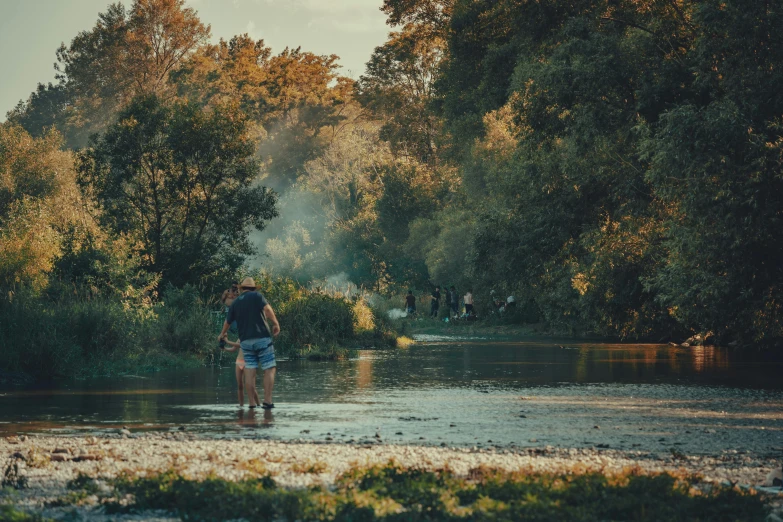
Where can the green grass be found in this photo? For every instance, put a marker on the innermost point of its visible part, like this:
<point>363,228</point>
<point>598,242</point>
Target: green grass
<point>395,493</point>
<point>9,513</point>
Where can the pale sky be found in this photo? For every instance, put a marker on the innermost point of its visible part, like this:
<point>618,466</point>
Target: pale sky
<point>32,30</point>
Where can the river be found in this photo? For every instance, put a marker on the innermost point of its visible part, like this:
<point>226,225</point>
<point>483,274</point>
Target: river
<point>449,391</point>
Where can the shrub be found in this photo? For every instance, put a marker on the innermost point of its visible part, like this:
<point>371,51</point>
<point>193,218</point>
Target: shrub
<point>78,336</point>
<point>365,319</point>
<point>184,324</point>
<point>315,320</point>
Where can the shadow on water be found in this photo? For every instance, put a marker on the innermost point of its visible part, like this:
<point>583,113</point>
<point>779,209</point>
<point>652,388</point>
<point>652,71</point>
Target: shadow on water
<point>452,391</point>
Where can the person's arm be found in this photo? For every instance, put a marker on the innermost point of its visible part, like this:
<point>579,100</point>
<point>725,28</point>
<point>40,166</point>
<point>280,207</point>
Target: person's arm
<point>224,296</point>
<point>234,346</point>
<point>224,331</point>
<point>272,318</point>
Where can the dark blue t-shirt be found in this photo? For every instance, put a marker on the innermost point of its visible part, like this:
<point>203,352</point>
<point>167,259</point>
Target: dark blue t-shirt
<point>247,311</point>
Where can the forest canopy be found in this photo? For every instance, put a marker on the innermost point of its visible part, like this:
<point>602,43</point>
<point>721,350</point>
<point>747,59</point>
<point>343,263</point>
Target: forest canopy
<point>614,164</point>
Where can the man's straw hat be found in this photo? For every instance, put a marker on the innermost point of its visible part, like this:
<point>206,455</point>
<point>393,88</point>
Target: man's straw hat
<point>248,282</point>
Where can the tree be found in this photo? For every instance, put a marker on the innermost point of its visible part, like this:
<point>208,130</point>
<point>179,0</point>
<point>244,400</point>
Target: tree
<point>178,180</point>
<point>715,163</point>
<point>294,98</point>
<point>398,89</point>
<point>435,14</point>
<point>306,98</point>
<point>127,54</point>
<point>38,202</point>
<point>45,109</point>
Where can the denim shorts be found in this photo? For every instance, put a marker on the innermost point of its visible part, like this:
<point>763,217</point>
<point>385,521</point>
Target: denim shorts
<point>259,352</point>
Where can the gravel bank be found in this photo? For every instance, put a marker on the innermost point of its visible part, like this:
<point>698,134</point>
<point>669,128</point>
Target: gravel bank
<point>49,463</point>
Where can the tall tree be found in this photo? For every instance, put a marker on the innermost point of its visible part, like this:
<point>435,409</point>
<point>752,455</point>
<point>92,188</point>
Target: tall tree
<point>433,14</point>
<point>296,99</point>
<point>38,202</point>
<point>398,89</point>
<point>128,53</point>
<point>179,181</point>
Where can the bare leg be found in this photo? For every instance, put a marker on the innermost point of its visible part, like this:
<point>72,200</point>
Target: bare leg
<point>240,386</point>
<point>250,385</point>
<point>255,394</point>
<point>269,384</point>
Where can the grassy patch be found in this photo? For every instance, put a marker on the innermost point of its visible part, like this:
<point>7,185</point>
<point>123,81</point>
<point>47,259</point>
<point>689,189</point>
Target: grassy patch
<point>395,493</point>
<point>80,489</point>
<point>309,467</point>
<point>256,467</point>
<point>9,513</point>
<point>331,352</point>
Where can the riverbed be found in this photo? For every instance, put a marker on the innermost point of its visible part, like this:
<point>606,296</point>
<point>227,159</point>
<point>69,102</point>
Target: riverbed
<point>457,392</point>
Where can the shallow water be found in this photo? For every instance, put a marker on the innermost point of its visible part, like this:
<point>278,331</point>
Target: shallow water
<point>453,392</point>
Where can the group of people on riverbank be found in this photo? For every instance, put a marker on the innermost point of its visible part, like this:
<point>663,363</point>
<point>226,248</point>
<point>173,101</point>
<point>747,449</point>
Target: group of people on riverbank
<point>252,318</point>
<point>452,303</point>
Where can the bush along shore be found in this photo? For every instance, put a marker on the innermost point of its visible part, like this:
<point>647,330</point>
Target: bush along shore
<point>178,476</point>
<point>56,333</point>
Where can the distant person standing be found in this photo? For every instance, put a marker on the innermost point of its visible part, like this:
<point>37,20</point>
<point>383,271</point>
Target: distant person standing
<point>469,302</point>
<point>454,301</point>
<point>410,303</point>
<point>230,294</point>
<point>251,312</point>
<point>435,304</point>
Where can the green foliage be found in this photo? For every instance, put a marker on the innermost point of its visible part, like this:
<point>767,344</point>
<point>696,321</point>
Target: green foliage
<point>182,323</point>
<point>617,165</point>
<point>314,320</point>
<point>9,513</point>
<point>178,181</point>
<point>395,493</point>
<point>256,499</point>
<point>73,336</point>
<point>398,86</point>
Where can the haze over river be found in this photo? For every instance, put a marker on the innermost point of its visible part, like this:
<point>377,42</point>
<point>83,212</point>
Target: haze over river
<point>449,391</point>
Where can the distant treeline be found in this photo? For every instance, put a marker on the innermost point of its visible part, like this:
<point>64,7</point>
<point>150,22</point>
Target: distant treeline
<point>616,165</point>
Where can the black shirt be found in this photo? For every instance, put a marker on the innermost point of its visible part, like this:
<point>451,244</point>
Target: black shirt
<point>247,310</point>
<point>436,295</point>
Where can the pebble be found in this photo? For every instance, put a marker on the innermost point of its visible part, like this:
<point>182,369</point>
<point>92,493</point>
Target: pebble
<point>107,458</point>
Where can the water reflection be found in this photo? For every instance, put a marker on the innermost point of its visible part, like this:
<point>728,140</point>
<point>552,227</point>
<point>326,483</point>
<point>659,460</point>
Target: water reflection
<point>251,417</point>
<point>421,391</point>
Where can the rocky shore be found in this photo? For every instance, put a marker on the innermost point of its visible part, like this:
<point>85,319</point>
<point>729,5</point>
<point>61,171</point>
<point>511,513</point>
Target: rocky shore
<point>45,464</point>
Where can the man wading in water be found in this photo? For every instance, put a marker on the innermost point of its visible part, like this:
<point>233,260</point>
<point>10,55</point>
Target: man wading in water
<point>251,311</point>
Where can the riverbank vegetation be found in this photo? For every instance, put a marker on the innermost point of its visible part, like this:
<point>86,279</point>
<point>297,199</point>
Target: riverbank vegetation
<point>393,492</point>
<point>614,165</point>
<point>82,336</point>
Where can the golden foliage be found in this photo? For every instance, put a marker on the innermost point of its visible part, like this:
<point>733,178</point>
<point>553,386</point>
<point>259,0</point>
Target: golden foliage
<point>39,201</point>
